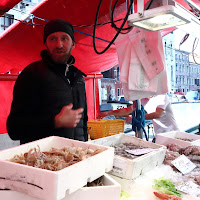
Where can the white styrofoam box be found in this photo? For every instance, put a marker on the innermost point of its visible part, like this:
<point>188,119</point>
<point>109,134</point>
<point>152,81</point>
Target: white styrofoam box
<point>170,138</point>
<point>52,185</point>
<point>132,168</point>
<point>109,191</point>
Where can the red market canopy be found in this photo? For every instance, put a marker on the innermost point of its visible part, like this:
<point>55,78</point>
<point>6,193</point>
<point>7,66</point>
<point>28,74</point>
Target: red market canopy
<point>6,5</point>
<point>21,43</point>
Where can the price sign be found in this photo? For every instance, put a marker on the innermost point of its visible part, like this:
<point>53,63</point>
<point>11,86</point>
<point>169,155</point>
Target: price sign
<point>183,164</point>
<point>119,166</point>
<point>189,188</point>
<point>138,152</point>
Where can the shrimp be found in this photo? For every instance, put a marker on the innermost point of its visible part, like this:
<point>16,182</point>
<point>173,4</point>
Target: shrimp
<point>166,196</point>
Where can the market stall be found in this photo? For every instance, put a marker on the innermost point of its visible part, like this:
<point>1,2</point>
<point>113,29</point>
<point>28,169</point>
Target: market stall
<point>144,169</point>
<point>139,172</point>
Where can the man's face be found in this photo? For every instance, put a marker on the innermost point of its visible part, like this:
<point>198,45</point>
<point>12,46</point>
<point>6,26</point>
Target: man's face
<point>59,46</point>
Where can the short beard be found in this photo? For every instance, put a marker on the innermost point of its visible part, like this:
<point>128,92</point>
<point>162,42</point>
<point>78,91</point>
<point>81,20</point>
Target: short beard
<point>60,60</point>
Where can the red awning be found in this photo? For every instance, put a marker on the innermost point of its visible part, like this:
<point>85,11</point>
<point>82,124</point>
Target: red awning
<point>6,5</point>
<point>20,44</point>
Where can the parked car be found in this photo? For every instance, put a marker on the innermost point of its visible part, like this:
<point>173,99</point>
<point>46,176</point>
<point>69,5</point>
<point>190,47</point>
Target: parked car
<point>177,98</point>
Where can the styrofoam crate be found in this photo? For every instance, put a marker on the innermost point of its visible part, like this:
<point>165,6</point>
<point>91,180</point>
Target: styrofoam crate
<point>170,138</point>
<point>132,168</point>
<point>109,191</point>
<point>52,185</point>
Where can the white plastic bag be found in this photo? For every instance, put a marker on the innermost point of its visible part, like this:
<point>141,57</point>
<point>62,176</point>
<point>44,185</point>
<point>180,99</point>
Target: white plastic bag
<point>142,64</point>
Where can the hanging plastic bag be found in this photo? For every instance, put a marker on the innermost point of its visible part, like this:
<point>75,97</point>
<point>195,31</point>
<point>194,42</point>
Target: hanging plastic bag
<point>148,47</point>
<point>135,71</point>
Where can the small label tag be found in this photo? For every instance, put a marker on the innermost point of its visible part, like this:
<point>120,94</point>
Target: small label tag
<point>119,166</point>
<point>183,164</point>
<point>138,152</point>
<point>189,188</point>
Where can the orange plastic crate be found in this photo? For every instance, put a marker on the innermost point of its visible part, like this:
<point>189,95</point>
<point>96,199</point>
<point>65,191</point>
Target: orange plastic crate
<point>99,128</point>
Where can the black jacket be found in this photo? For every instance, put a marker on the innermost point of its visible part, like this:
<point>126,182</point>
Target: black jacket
<point>40,92</point>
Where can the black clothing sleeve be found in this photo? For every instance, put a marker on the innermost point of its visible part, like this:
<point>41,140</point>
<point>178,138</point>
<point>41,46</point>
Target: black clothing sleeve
<point>25,121</point>
<point>85,120</point>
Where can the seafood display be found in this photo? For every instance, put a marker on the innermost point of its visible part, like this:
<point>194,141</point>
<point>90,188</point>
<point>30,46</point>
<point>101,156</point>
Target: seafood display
<point>95,183</point>
<point>55,159</point>
<point>121,150</point>
<point>191,152</point>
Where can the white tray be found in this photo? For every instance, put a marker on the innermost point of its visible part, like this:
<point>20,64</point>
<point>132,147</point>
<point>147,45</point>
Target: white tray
<point>109,191</point>
<point>130,169</point>
<point>52,185</point>
<point>170,138</point>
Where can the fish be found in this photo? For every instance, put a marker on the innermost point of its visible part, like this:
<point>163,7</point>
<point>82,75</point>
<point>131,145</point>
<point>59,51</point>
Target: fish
<point>163,196</point>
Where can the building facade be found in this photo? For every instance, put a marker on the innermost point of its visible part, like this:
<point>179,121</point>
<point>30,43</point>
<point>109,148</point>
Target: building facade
<point>187,73</point>
<point>110,86</point>
<point>183,75</point>
<point>194,77</point>
<point>169,51</point>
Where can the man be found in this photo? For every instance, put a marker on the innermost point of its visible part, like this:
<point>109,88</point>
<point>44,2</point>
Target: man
<point>159,110</point>
<point>49,95</point>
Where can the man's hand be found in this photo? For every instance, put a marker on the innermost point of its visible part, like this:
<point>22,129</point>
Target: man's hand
<point>129,119</point>
<point>102,115</point>
<point>67,117</point>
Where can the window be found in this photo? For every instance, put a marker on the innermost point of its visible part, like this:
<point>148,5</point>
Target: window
<point>176,79</point>
<point>176,56</point>
<point>165,50</point>
<point>183,68</point>
<point>172,78</point>
<point>196,82</point>
<point>171,50</point>
<point>6,20</point>
<point>118,91</point>
<point>180,68</point>
<point>118,73</point>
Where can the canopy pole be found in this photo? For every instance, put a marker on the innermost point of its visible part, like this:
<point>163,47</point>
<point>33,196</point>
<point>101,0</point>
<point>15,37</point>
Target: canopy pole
<point>94,96</point>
